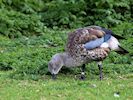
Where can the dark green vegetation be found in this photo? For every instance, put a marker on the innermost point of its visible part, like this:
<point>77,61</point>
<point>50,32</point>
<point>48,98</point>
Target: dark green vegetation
<point>31,31</point>
<point>31,17</point>
<point>30,55</point>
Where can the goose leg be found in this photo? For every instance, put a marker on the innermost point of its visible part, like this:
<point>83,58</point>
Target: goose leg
<point>82,72</point>
<point>100,70</point>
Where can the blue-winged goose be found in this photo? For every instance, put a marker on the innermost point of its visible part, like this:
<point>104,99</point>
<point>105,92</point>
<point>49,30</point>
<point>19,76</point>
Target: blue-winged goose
<point>85,45</point>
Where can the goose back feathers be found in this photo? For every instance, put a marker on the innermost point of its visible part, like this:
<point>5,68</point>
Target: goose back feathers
<point>77,46</point>
<point>84,45</point>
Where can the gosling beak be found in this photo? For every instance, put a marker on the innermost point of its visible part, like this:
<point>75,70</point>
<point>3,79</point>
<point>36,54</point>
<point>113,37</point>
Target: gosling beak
<point>53,76</point>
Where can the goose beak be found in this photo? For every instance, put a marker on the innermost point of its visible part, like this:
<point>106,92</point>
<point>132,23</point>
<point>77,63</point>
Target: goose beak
<point>53,76</point>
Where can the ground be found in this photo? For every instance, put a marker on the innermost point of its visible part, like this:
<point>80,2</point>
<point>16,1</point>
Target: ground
<point>66,88</point>
<point>24,74</point>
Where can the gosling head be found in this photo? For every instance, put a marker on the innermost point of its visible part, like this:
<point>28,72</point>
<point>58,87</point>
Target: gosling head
<point>55,64</point>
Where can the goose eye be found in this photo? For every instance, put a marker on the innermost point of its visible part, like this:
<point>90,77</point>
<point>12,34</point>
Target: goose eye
<point>50,64</point>
<point>54,69</point>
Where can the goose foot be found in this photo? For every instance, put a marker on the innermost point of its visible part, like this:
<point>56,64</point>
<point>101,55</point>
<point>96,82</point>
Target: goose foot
<point>82,77</point>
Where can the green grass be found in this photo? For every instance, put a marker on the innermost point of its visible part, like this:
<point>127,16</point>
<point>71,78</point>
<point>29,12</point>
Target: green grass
<point>66,88</point>
<point>24,63</point>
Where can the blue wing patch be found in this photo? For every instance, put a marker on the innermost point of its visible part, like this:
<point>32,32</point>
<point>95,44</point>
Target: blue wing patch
<point>107,37</point>
<point>108,34</point>
<point>95,43</point>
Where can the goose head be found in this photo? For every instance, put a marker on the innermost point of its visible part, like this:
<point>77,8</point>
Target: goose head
<point>55,64</point>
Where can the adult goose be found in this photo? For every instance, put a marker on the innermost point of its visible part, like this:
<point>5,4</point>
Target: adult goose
<point>84,45</point>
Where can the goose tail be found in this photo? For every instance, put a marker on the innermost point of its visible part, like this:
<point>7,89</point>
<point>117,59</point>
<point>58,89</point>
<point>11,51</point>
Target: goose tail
<point>121,50</point>
<point>118,36</point>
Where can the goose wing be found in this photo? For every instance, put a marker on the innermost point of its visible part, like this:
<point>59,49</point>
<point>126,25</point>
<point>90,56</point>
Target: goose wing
<point>99,40</point>
<point>91,36</point>
<point>107,31</point>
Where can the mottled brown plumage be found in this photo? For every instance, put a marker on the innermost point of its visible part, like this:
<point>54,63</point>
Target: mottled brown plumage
<point>76,41</point>
<point>77,54</point>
